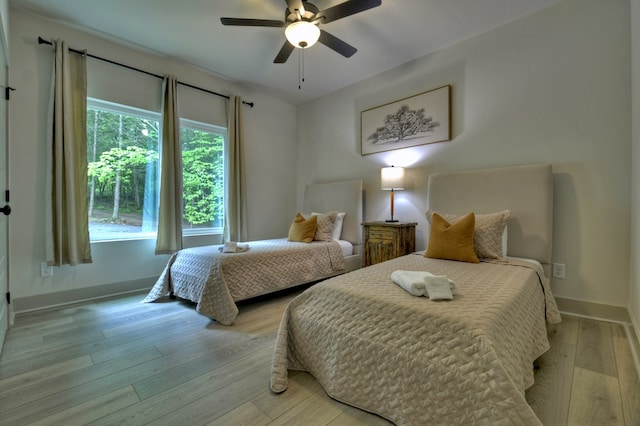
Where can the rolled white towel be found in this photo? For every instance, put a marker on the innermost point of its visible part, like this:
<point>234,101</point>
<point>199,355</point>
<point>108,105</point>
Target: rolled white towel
<point>439,287</point>
<point>412,281</point>
<point>415,282</point>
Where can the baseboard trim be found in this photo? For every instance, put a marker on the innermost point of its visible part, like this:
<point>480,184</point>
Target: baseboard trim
<point>68,297</point>
<point>596,311</point>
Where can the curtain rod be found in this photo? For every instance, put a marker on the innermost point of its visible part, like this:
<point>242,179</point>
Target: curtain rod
<point>43,41</point>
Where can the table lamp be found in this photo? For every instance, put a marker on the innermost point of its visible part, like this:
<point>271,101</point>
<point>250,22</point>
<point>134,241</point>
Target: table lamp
<point>392,179</point>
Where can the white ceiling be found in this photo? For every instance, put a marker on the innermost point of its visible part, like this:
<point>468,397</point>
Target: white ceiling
<point>190,31</point>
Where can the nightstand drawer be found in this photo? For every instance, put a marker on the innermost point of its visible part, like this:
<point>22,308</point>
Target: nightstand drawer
<point>381,234</point>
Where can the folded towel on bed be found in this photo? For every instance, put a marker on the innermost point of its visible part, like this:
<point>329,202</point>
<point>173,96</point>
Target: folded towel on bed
<point>412,281</point>
<point>415,282</point>
<point>439,288</point>
<point>233,247</point>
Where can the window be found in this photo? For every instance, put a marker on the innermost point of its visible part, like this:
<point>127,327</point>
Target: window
<point>123,173</point>
<point>202,177</point>
<point>123,163</point>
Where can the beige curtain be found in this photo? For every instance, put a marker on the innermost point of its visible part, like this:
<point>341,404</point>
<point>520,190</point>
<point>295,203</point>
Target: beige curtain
<point>235,208</point>
<point>67,216</point>
<point>169,238</point>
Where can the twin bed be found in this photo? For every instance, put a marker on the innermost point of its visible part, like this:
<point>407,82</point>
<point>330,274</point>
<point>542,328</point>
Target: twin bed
<point>415,361</point>
<point>410,359</point>
<point>216,280</point>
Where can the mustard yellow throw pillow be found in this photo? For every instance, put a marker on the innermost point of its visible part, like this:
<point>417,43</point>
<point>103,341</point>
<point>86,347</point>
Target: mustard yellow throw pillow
<point>452,242</point>
<point>303,230</point>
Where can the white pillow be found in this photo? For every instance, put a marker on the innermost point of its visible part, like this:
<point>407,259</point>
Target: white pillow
<point>337,224</point>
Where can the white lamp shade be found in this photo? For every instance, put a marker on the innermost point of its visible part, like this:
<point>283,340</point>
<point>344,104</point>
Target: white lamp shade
<point>302,34</point>
<point>391,178</point>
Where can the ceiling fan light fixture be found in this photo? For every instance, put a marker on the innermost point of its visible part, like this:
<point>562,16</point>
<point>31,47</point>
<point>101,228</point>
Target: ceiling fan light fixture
<point>302,34</point>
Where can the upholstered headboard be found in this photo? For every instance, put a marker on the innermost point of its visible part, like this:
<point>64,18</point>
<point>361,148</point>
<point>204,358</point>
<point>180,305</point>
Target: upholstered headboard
<point>338,196</point>
<point>525,190</point>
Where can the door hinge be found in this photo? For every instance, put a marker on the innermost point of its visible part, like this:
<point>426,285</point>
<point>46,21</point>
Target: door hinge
<point>9,297</point>
<point>7,92</point>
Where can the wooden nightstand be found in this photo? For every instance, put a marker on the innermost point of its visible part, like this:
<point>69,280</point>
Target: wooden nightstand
<point>388,240</point>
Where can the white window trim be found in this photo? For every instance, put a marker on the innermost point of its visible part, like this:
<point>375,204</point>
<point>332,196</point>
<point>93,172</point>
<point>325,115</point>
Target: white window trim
<point>123,109</point>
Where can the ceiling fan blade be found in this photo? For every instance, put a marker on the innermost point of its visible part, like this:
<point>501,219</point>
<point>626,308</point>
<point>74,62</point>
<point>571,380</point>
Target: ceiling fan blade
<point>253,22</point>
<point>294,5</point>
<point>284,53</point>
<point>333,42</point>
<point>350,7</point>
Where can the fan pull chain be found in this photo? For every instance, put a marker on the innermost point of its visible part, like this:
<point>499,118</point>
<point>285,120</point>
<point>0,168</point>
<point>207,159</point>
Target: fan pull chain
<point>300,68</point>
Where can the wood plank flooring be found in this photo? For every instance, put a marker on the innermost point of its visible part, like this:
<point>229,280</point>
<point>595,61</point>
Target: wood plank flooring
<point>119,361</point>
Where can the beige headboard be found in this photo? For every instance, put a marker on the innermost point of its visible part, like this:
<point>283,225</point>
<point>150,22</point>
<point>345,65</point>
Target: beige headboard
<point>525,190</point>
<point>338,196</point>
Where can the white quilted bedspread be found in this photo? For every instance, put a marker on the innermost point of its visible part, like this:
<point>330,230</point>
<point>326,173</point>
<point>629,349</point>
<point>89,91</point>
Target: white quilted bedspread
<point>215,280</point>
<point>419,362</point>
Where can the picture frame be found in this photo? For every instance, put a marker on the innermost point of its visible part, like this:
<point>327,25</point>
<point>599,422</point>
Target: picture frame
<point>417,120</point>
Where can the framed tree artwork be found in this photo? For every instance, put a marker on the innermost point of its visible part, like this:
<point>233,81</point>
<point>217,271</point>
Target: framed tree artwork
<point>416,120</point>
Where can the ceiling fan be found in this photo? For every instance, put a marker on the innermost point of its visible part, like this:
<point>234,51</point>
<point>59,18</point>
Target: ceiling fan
<point>302,21</point>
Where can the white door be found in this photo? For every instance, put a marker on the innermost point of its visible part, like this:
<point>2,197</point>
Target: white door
<point>4,199</point>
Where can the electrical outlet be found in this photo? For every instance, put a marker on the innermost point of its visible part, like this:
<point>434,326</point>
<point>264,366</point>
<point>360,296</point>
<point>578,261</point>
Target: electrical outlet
<point>558,270</point>
<point>46,270</point>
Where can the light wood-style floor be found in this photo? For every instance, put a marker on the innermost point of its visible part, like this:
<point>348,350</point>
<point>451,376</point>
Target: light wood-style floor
<point>119,361</point>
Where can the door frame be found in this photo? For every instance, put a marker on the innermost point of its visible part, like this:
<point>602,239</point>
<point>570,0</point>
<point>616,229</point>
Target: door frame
<point>6,309</point>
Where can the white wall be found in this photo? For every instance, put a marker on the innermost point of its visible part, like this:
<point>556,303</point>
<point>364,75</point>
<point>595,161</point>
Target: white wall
<point>551,87</point>
<point>123,266</point>
<point>634,289</point>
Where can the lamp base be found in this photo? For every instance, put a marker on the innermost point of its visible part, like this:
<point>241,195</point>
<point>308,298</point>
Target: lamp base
<point>390,220</point>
